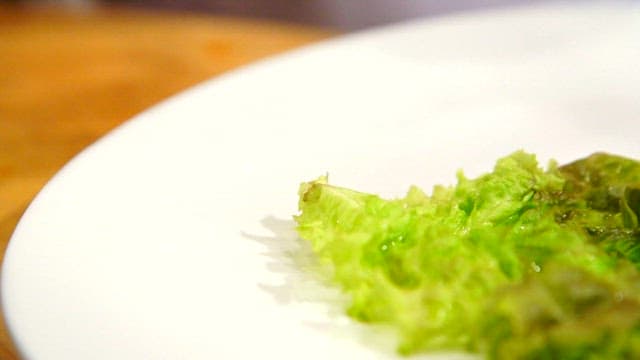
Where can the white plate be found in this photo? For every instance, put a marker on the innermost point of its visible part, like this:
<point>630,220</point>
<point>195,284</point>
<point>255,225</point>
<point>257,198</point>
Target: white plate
<point>171,238</point>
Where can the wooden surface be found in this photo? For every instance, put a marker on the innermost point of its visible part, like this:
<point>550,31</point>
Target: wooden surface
<point>68,77</point>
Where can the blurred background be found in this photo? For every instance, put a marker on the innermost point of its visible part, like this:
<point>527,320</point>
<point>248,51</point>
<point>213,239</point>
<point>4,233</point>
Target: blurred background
<point>338,14</point>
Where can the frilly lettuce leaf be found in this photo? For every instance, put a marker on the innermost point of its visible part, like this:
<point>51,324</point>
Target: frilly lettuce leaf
<point>521,262</point>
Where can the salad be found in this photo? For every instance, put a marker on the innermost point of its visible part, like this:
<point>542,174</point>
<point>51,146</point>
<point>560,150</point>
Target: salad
<point>519,263</point>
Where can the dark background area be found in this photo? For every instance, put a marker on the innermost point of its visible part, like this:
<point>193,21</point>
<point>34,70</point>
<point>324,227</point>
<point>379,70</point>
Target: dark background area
<point>342,14</point>
<point>339,14</point>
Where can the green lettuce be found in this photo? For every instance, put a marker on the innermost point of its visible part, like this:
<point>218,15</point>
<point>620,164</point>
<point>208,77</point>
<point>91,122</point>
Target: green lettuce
<point>519,263</point>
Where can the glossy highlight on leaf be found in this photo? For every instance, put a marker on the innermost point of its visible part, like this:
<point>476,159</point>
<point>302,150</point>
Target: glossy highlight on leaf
<point>519,263</point>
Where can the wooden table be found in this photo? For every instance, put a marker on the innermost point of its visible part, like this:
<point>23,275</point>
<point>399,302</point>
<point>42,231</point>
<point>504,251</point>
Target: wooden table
<point>68,77</point>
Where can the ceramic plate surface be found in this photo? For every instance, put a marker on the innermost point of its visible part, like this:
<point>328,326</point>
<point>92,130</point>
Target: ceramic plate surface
<point>172,237</point>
